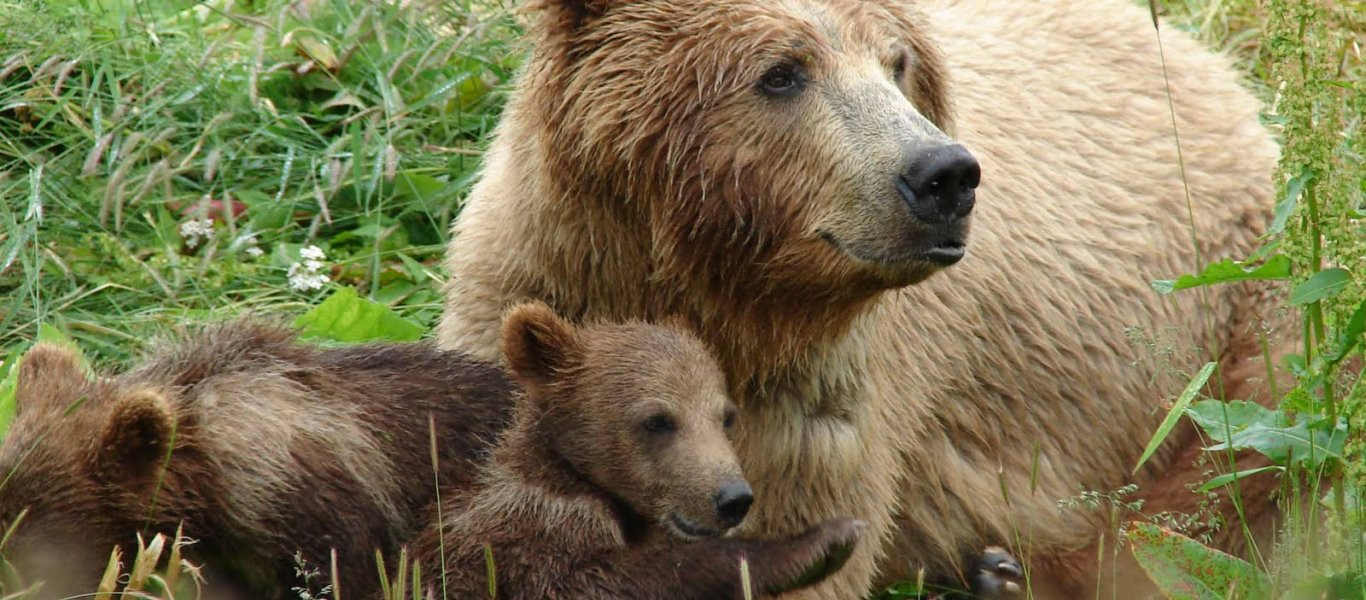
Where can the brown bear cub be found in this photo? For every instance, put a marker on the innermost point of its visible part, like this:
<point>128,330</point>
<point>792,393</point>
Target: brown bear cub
<point>616,479</point>
<point>261,445</point>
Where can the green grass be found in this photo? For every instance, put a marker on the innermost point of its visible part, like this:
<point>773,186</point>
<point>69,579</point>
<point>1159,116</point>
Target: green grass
<point>356,127</point>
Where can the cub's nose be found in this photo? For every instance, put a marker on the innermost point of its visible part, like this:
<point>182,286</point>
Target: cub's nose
<point>732,502</point>
<point>941,183</point>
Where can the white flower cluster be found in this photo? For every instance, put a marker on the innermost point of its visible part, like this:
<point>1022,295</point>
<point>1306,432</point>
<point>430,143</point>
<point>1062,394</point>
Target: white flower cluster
<point>195,230</point>
<point>306,274</point>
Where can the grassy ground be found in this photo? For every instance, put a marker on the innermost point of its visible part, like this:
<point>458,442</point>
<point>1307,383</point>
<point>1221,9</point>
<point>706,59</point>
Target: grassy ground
<point>171,162</point>
<point>159,166</point>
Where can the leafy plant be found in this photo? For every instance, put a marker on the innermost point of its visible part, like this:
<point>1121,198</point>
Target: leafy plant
<point>346,317</point>
<point>1312,431</point>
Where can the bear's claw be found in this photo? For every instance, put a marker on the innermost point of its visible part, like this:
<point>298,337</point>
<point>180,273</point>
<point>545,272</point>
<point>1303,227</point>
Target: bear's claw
<point>997,575</point>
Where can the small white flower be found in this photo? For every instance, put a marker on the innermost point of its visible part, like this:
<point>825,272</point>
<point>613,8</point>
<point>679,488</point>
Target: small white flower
<point>301,280</point>
<point>305,275</point>
<point>254,252</point>
<point>312,252</point>
<point>196,229</point>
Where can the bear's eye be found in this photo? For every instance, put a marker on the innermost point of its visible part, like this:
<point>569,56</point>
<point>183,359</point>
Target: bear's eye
<point>729,419</point>
<point>899,65</point>
<point>660,423</point>
<point>782,80</point>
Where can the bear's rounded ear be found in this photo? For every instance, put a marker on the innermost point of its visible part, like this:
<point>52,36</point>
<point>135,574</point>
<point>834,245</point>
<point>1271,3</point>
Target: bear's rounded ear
<point>538,345</point>
<point>139,432</point>
<point>50,375</point>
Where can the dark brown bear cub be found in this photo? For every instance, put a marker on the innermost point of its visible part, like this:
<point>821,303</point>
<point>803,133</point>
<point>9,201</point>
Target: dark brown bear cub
<point>261,445</point>
<point>616,479</point>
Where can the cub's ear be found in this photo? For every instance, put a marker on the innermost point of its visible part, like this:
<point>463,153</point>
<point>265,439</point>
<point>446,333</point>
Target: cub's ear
<point>50,376</point>
<point>538,345</point>
<point>140,430</point>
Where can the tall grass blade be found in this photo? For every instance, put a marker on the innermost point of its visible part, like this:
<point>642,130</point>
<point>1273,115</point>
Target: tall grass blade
<point>1174,415</point>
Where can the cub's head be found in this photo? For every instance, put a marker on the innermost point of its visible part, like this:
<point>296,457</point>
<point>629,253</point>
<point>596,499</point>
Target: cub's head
<point>799,145</point>
<point>639,410</point>
<point>79,464</point>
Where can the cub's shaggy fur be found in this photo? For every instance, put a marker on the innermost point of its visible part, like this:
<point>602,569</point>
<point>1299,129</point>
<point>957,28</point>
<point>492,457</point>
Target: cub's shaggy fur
<point>618,444</point>
<point>261,445</point>
<point>743,163</point>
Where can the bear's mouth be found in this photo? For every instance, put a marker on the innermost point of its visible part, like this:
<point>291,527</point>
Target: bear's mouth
<point>688,530</point>
<point>946,253</point>
<point>943,254</point>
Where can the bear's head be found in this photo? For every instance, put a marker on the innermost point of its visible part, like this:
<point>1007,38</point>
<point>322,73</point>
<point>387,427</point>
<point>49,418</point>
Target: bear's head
<point>78,460</point>
<point>789,148</point>
<point>640,411</point>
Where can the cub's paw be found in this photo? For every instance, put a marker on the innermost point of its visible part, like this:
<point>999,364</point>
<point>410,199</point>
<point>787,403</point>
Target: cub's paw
<point>816,554</point>
<point>996,574</point>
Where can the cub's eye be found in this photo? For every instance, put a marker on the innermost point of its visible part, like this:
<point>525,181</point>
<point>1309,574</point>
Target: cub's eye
<point>660,423</point>
<point>729,420</point>
<point>781,80</point>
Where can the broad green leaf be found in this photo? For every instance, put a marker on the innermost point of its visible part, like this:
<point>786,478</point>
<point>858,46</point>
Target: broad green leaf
<point>1185,569</point>
<point>1286,206</point>
<point>1324,284</point>
<point>1276,267</point>
<point>346,317</point>
<point>1174,415</point>
<point>1228,478</point>
<point>1302,443</point>
<point>1211,416</point>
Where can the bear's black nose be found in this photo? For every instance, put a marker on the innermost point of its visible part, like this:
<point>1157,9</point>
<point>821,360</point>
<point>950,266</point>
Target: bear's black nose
<point>732,502</point>
<point>940,184</point>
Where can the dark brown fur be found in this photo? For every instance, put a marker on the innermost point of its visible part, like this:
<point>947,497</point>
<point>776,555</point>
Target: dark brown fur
<point>577,494</point>
<point>278,447</point>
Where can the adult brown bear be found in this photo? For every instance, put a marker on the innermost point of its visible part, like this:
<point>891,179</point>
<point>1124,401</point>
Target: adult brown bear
<point>789,175</point>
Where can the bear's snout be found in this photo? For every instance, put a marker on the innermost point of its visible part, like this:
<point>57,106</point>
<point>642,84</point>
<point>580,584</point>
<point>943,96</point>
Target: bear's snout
<point>940,183</point>
<point>732,502</point>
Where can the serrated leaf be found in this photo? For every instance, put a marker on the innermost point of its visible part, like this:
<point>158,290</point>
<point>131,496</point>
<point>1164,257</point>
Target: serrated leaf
<point>1286,206</point>
<point>346,317</point>
<point>1222,420</point>
<point>1185,569</point>
<point>1228,478</point>
<point>1324,284</point>
<point>1225,271</point>
<point>1174,415</point>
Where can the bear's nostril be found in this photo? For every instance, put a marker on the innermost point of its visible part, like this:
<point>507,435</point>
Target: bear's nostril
<point>940,183</point>
<point>732,503</point>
